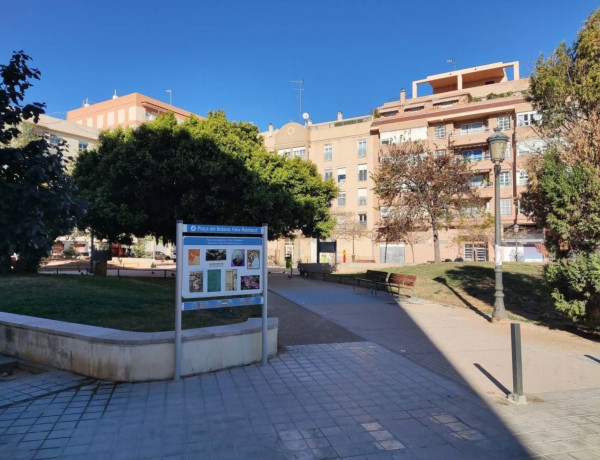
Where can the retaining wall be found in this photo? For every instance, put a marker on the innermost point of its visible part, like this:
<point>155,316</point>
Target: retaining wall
<point>123,356</point>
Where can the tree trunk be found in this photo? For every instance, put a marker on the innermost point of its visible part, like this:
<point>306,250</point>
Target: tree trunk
<point>436,242</point>
<point>412,249</point>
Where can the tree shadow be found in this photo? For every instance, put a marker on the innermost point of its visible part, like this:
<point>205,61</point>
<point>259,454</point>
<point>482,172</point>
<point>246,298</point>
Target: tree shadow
<point>525,296</point>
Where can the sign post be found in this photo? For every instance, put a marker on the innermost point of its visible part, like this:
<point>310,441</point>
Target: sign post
<point>220,266</point>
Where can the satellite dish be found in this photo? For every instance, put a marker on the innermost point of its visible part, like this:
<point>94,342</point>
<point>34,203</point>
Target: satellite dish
<point>305,116</point>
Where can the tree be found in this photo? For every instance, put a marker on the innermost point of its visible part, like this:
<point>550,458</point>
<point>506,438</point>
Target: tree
<point>424,187</point>
<point>37,204</point>
<point>213,171</point>
<point>476,228</point>
<point>400,226</point>
<point>564,196</point>
<point>348,228</point>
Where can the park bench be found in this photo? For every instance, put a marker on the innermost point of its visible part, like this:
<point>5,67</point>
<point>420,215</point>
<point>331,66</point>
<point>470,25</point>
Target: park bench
<point>373,279</point>
<point>399,280</point>
<point>307,269</point>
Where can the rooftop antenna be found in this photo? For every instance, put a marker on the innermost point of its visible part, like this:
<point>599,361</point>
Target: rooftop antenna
<point>453,62</point>
<point>170,96</point>
<point>300,84</point>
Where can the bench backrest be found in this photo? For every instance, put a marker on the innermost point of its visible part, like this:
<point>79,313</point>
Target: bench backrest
<point>402,279</point>
<point>374,275</point>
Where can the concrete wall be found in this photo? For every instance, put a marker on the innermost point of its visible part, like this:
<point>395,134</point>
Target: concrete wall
<point>115,355</point>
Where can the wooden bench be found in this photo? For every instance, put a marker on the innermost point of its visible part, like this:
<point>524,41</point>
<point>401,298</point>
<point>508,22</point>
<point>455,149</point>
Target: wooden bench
<point>400,280</point>
<point>374,279</point>
<point>306,269</point>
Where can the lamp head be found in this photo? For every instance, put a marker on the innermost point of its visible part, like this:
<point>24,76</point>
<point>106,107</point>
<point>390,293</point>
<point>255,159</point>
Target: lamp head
<point>497,144</point>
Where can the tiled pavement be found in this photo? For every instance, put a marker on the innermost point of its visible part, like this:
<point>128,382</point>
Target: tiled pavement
<point>350,400</point>
<point>354,400</point>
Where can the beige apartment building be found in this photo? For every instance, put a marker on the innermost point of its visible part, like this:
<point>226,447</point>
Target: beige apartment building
<point>128,111</point>
<point>76,138</point>
<point>458,114</point>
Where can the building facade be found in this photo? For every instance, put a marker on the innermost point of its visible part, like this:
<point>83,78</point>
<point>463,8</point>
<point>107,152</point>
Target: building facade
<point>74,137</point>
<point>128,111</point>
<point>456,116</point>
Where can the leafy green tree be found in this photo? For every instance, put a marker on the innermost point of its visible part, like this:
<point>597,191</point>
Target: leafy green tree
<point>425,189</point>
<point>213,171</point>
<point>37,204</point>
<point>564,196</point>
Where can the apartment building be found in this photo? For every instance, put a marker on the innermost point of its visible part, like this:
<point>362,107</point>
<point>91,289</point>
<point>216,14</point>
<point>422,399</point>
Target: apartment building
<point>129,111</point>
<point>75,138</point>
<point>456,116</point>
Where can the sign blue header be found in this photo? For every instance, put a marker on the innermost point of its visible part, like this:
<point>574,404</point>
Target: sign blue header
<point>220,241</point>
<point>193,228</point>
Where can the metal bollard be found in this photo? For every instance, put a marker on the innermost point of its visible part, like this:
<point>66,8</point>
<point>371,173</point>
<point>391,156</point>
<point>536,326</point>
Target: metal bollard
<point>517,365</point>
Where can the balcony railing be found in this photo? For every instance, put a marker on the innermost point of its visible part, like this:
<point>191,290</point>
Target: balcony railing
<point>460,132</point>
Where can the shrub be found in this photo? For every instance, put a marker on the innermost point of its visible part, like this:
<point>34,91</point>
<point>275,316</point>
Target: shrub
<point>575,283</point>
<point>70,253</point>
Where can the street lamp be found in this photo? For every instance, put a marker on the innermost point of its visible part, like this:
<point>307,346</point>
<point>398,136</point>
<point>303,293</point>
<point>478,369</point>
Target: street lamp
<point>497,145</point>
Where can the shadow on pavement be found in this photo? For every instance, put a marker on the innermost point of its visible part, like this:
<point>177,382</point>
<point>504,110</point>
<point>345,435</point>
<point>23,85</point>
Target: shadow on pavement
<point>379,320</point>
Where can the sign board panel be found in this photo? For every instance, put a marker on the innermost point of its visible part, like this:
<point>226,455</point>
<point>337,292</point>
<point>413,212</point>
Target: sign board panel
<point>220,266</point>
<point>327,246</point>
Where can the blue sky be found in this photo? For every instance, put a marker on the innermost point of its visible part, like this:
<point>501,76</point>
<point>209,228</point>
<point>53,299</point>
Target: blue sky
<point>241,56</point>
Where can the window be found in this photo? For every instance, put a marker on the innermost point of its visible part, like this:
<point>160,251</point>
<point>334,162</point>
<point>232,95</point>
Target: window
<point>478,181</point>
<point>362,196</point>
<point>505,179</point>
<point>362,173</point>
<point>328,152</point>
<point>82,146</point>
<point>473,155</point>
<point>504,122</point>
<point>505,206</point>
<point>508,151</point>
<point>362,148</point>
<point>342,198</point>
<point>528,118</point>
<point>53,139</point>
<point>384,212</point>
<point>471,128</point>
<point>523,177</point>
<point>362,219</point>
<point>328,174</point>
<point>439,131</point>
<point>300,152</point>
<point>284,152</point>
<point>341,174</point>
<point>439,153</point>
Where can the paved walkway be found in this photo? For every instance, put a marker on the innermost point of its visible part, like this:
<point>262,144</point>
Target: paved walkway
<point>362,400</point>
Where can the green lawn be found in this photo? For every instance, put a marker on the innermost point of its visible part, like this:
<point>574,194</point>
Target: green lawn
<point>471,285</point>
<point>132,304</point>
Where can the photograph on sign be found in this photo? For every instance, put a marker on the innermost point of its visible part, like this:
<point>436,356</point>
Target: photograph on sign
<point>221,266</point>
<point>196,281</point>
<point>216,254</point>
<point>194,257</point>
<point>237,258</point>
<point>254,259</point>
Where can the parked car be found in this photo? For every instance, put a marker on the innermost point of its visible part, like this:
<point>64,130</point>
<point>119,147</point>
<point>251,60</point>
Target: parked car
<point>161,256</point>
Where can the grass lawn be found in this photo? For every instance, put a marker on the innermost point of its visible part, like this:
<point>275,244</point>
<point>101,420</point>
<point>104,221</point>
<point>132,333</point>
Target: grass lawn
<point>471,285</point>
<point>132,304</point>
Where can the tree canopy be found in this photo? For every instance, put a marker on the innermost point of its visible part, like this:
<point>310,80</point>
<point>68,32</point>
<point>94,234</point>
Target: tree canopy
<point>37,204</point>
<point>212,171</point>
<point>564,196</point>
<point>424,189</point>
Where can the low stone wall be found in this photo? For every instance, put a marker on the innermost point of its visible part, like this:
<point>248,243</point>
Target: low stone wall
<point>123,356</point>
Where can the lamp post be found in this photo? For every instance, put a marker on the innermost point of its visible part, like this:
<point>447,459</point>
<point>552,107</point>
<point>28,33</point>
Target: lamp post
<point>515,231</point>
<point>497,145</point>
